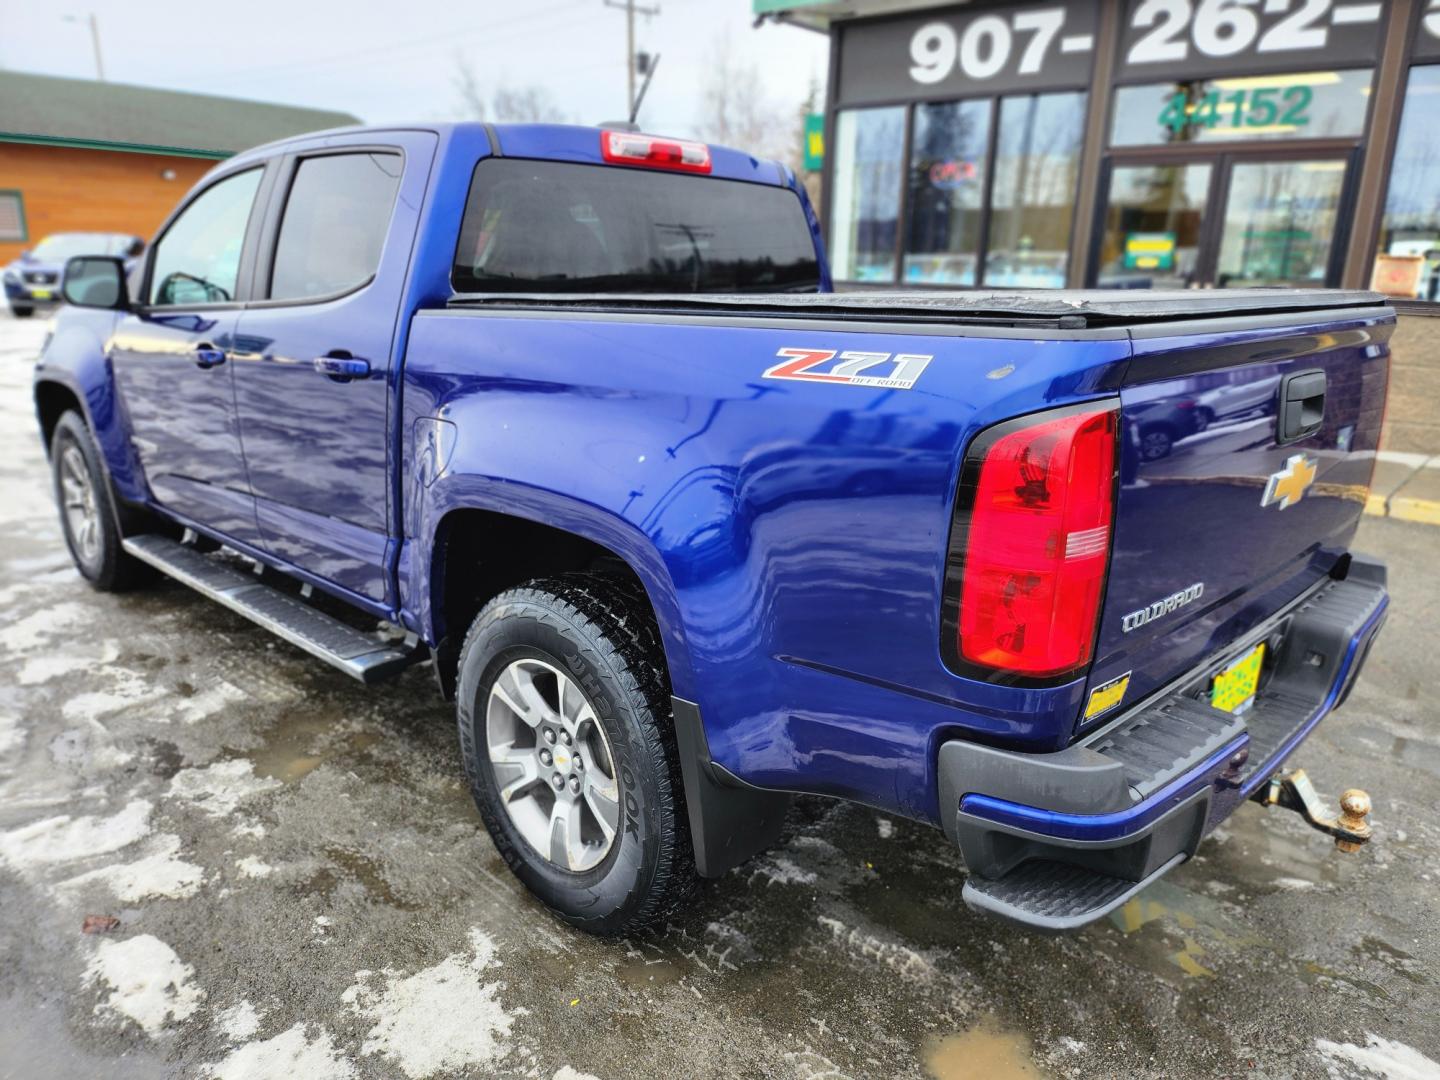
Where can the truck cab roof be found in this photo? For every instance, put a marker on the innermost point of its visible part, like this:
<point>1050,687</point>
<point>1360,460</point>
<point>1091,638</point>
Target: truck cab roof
<point>551,142</point>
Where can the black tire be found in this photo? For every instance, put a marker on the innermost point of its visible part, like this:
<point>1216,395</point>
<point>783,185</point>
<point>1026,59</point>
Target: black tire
<point>599,630</point>
<point>22,312</point>
<point>105,565</point>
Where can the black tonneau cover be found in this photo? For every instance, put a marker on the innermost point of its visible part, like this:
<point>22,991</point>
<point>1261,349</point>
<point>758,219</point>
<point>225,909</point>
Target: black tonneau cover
<point>1076,309</point>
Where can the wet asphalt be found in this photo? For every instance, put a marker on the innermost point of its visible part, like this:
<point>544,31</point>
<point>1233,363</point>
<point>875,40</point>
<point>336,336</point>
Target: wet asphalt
<point>303,887</point>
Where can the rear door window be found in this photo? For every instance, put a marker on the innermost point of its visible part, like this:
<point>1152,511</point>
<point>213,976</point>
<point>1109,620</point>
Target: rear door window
<point>335,222</point>
<point>544,226</point>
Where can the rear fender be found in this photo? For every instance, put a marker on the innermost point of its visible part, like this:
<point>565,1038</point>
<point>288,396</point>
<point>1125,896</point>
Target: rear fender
<point>430,505</point>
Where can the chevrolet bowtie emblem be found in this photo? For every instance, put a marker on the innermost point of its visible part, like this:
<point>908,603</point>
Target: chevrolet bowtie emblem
<point>1288,486</point>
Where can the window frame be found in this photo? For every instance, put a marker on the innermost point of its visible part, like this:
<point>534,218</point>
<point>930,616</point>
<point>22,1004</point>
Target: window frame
<point>995,102</point>
<point>24,237</point>
<point>287,168</point>
<point>1402,304</point>
<point>247,249</point>
<point>807,215</point>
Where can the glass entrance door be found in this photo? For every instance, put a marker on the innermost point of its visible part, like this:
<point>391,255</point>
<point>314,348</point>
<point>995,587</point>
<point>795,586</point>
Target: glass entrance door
<point>1280,222</point>
<point>1154,225</point>
<point>1225,220</point>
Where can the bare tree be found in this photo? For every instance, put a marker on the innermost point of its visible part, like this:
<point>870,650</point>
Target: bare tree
<point>526,105</point>
<point>472,99</point>
<point>735,110</point>
<point>508,104</point>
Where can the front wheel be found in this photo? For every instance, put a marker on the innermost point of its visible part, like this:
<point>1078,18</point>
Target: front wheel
<point>87,510</point>
<point>565,731</point>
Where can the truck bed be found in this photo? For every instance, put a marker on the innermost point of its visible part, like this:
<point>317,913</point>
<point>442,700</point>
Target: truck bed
<point>1077,309</point>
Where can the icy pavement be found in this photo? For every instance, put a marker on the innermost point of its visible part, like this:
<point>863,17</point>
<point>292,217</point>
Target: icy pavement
<point>303,887</point>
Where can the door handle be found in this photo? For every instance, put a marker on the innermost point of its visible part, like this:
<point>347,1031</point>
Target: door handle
<point>1302,405</point>
<point>207,356</point>
<point>342,368</point>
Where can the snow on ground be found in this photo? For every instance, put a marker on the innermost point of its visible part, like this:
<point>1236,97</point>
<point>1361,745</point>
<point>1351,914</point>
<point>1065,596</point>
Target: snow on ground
<point>66,838</point>
<point>1378,1057</point>
<point>218,789</point>
<point>160,872</point>
<point>441,1019</point>
<point>292,1053</point>
<point>147,982</point>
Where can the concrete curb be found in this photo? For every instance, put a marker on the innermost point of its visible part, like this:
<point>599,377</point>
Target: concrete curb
<point>1406,487</point>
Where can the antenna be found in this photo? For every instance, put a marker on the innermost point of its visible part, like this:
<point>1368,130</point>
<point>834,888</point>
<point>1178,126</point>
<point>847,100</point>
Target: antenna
<point>651,63</point>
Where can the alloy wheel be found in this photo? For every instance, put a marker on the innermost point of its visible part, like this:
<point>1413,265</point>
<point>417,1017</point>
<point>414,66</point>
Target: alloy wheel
<point>553,764</point>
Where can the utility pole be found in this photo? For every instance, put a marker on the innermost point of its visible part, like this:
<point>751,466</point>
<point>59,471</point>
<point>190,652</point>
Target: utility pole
<point>630,8</point>
<point>94,42</point>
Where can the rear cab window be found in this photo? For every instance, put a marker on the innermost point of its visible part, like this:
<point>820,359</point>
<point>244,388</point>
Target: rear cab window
<point>549,226</point>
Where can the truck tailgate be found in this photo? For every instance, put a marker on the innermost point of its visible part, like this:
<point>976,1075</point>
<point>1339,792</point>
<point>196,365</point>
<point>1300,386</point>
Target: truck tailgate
<point>1222,518</point>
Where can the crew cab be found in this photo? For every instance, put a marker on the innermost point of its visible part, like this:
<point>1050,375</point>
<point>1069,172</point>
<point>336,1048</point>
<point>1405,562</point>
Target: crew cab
<point>573,417</point>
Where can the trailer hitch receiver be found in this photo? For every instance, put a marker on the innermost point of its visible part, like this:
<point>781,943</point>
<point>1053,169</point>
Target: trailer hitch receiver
<point>1294,791</point>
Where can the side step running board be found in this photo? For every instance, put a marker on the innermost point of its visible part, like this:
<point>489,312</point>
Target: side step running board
<point>1053,897</point>
<point>358,654</point>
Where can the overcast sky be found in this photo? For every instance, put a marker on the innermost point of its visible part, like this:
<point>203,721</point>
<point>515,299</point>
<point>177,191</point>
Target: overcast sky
<point>359,57</point>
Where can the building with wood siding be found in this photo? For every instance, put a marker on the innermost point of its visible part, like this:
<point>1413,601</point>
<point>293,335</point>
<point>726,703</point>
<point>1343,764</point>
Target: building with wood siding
<point>84,156</point>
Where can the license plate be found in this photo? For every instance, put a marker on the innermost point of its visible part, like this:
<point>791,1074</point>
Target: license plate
<point>1233,690</point>
<point>41,294</point>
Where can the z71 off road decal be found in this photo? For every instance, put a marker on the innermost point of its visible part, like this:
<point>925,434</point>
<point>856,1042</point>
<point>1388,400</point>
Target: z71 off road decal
<point>893,371</point>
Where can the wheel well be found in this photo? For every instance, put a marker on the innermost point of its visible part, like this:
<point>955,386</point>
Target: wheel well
<point>481,553</point>
<point>52,401</point>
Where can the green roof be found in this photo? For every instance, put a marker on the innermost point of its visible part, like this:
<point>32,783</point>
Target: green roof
<point>112,116</point>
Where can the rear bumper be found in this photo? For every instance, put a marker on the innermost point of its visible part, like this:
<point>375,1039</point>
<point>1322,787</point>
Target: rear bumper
<point>1057,840</point>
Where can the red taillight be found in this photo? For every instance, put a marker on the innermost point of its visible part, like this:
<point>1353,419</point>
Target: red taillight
<point>1037,544</point>
<point>627,148</point>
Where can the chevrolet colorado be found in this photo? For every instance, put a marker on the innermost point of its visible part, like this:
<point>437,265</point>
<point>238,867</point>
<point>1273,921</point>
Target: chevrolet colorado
<point>573,416</point>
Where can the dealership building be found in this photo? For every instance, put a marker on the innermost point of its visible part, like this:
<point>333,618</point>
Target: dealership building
<point>1140,144</point>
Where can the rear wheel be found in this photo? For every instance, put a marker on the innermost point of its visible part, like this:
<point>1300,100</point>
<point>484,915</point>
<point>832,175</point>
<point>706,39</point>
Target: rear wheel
<point>22,312</point>
<point>87,509</point>
<point>564,717</point>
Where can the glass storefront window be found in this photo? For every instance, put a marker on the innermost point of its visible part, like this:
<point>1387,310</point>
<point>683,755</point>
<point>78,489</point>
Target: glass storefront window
<point>1037,162</point>
<point>1152,225</point>
<point>1309,105</point>
<point>1279,223</point>
<point>1408,262</point>
<point>865,200</point>
<point>947,192</point>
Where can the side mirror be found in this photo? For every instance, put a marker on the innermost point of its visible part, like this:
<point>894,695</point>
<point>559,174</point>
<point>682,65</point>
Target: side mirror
<point>96,281</point>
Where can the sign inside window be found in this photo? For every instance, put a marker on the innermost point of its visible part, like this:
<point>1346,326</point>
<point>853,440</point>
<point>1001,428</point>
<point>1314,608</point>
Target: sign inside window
<point>1269,109</point>
<point>952,53</point>
<point>1190,37</point>
<point>1150,251</point>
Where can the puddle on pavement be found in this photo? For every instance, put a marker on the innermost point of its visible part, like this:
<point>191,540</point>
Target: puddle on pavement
<point>360,869</point>
<point>1199,921</point>
<point>302,742</point>
<point>986,1051</point>
<point>640,972</point>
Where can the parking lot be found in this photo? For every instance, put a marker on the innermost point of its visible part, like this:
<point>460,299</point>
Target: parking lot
<point>303,886</point>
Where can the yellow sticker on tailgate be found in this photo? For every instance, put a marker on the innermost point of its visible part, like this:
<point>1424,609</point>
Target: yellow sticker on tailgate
<point>1107,696</point>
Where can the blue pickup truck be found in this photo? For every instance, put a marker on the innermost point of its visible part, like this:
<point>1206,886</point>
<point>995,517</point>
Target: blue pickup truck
<point>573,417</point>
